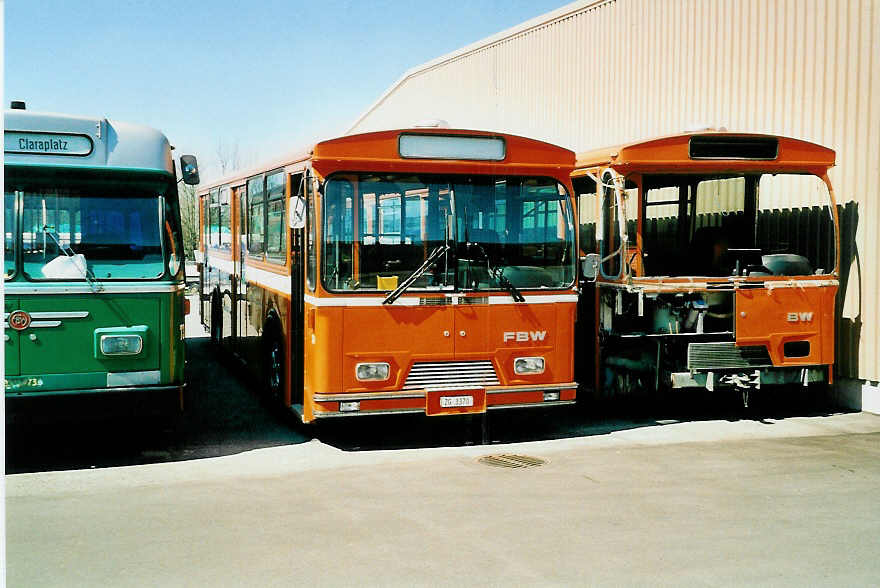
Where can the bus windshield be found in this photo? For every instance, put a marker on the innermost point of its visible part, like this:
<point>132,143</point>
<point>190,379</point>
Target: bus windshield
<point>71,233</point>
<point>726,225</point>
<point>380,228</point>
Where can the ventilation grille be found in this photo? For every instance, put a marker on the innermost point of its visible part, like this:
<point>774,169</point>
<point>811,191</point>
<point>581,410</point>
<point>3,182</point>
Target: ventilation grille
<point>713,356</point>
<point>473,300</point>
<point>451,375</point>
<point>433,301</point>
<point>512,461</point>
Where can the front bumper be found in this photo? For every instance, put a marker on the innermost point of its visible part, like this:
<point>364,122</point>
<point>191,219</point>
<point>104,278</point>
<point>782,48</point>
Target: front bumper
<point>750,378</point>
<point>421,401</point>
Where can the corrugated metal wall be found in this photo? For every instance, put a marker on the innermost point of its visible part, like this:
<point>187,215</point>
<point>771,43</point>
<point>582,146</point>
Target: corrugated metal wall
<point>599,73</point>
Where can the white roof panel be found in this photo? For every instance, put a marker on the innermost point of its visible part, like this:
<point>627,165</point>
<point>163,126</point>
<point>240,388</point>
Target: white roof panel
<point>48,139</point>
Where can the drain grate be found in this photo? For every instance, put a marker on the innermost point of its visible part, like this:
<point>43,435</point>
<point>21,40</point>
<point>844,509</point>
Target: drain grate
<point>511,461</point>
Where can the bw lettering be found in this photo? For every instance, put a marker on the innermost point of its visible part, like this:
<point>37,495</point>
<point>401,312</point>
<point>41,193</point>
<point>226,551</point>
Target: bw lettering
<point>524,336</point>
<point>800,317</point>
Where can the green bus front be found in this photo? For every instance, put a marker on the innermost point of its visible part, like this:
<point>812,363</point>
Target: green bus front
<point>94,289</point>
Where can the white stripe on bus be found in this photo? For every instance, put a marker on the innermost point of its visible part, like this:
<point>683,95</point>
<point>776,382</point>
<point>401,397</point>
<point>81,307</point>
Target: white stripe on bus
<point>105,288</point>
<point>261,277</point>
<point>415,300</point>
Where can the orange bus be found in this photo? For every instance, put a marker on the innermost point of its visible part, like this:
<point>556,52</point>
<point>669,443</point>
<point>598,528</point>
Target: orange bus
<point>412,271</point>
<point>715,262</point>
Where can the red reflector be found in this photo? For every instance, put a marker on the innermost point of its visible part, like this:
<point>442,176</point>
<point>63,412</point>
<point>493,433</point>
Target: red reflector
<point>186,306</point>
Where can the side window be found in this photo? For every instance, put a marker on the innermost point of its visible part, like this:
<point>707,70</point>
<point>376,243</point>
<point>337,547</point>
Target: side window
<point>276,227</point>
<point>311,254</point>
<point>214,218</point>
<point>256,215</point>
<point>611,237</point>
<point>661,227</point>
<point>9,229</point>
<point>588,216</point>
<point>225,228</point>
<point>338,225</point>
<point>241,197</point>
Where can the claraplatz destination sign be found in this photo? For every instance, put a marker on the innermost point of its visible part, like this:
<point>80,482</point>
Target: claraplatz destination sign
<point>46,143</point>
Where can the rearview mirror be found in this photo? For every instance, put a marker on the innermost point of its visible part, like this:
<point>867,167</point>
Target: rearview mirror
<point>189,169</point>
<point>297,212</point>
<point>590,266</point>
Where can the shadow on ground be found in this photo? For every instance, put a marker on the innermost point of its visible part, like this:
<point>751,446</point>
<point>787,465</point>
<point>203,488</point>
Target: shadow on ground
<point>224,416</point>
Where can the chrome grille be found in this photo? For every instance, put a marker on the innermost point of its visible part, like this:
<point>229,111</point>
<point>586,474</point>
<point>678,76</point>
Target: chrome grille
<point>433,301</point>
<point>451,374</point>
<point>473,300</point>
<point>714,356</point>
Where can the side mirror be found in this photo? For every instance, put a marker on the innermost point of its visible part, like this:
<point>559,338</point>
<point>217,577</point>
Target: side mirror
<point>590,266</point>
<point>297,212</point>
<point>189,169</point>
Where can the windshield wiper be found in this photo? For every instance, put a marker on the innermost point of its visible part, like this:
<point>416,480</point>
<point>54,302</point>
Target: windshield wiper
<point>66,250</point>
<point>431,260</point>
<point>497,272</point>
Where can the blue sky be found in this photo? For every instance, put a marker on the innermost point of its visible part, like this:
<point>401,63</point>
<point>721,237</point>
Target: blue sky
<point>263,77</point>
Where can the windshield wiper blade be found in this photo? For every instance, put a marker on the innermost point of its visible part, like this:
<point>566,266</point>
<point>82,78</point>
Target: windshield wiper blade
<point>90,278</point>
<point>431,260</point>
<point>497,272</point>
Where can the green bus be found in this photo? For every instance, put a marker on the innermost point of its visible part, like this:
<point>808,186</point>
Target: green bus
<point>93,259</point>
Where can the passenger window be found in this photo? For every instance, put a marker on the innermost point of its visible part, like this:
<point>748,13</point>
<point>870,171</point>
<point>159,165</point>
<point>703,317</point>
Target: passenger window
<point>256,215</point>
<point>9,229</point>
<point>276,228</point>
<point>214,218</point>
<point>224,235</point>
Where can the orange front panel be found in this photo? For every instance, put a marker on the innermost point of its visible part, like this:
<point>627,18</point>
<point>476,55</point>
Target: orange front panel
<point>788,315</point>
<point>398,335</point>
<point>532,330</point>
<point>471,332</point>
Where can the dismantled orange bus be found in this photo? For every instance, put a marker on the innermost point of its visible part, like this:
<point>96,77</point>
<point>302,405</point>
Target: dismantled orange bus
<point>413,271</point>
<point>715,262</point>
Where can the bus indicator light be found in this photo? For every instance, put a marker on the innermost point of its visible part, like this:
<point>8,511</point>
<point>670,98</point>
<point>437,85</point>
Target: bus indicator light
<point>349,406</point>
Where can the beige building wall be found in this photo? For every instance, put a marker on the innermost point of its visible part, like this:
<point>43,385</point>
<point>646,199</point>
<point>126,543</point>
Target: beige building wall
<point>593,74</point>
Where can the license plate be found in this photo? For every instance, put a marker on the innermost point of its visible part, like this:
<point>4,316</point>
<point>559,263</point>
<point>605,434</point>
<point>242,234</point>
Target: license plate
<point>456,401</point>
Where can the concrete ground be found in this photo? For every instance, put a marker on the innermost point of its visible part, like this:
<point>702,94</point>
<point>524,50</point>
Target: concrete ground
<point>773,502</point>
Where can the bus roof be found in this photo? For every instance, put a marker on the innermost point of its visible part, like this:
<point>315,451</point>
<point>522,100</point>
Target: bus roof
<point>381,151</point>
<point>61,140</point>
<point>712,151</point>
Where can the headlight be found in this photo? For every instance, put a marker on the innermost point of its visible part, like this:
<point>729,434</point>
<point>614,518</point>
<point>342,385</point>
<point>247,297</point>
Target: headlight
<point>372,372</point>
<point>528,365</point>
<point>121,344</point>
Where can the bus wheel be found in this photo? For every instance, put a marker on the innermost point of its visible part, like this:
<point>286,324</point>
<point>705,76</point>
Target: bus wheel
<point>275,369</point>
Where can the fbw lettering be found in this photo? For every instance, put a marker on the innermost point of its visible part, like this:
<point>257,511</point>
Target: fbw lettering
<point>524,336</point>
<point>800,317</point>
